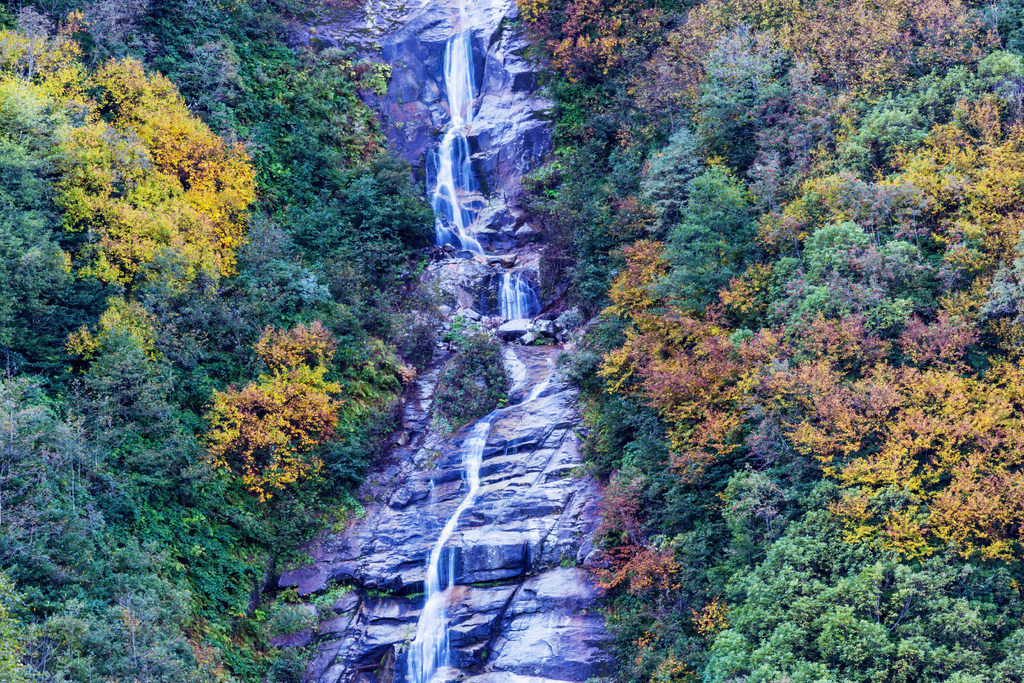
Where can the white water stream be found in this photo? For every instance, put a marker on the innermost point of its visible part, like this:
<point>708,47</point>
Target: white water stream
<point>517,298</point>
<point>429,652</point>
<point>453,166</point>
<point>451,171</point>
<point>429,658</point>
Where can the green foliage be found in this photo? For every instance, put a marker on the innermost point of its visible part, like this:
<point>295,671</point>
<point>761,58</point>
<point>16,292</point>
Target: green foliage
<point>709,246</point>
<point>284,618</point>
<point>835,191</point>
<point>134,558</point>
<point>742,78</point>
<point>666,183</point>
<point>473,383</point>
<point>12,636</point>
<point>820,609</point>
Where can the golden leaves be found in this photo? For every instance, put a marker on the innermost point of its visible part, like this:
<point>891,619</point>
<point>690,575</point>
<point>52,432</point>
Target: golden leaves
<point>711,618</point>
<point>928,454</point>
<point>154,181</point>
<point>265,431</point>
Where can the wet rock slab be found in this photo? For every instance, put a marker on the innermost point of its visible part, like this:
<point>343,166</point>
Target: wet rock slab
<point>516,612</point>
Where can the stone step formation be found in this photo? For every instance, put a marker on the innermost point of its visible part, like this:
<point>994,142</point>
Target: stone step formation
<point>472,559</point>
<point>522,601</point>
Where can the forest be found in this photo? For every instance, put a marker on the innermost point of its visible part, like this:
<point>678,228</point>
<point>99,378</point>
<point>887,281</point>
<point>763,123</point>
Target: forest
<point>204,256</point>
<point>794,229</point>
<point>798,226</point>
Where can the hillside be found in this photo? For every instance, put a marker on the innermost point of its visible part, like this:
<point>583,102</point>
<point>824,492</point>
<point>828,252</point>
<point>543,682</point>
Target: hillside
<point>518,340</point>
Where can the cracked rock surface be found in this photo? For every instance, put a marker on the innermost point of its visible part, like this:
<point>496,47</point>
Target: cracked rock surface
<point>524,606</point>
<point>510,134</point>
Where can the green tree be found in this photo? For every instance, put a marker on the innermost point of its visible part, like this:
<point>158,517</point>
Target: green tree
<point>666,182</point>
<point>12,636</point>
<point>711,244</point>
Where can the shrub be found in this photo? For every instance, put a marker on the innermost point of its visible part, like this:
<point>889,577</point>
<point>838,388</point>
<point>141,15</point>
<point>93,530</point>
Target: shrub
<point>473,383</point>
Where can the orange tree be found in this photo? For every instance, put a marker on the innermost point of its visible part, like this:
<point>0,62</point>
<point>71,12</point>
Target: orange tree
<point>928,452</point>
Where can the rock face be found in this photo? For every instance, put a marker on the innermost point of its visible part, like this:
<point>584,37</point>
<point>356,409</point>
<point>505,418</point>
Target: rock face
<point>510,134</point>
<point>523,603</point>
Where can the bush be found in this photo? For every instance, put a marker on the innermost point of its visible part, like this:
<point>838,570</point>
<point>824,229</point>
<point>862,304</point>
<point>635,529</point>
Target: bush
<point>416,342</point>
<point>472,384</point>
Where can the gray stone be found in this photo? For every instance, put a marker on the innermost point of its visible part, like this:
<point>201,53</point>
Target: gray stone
<point>528,338</point>
<point>544,328</point>
<point>503,260</point>
<point>516,615</point>
<point>298,639</point>
<point>346,603</point>
<point>335,626</point>
<point>528,517</point>
<point>513,329</point>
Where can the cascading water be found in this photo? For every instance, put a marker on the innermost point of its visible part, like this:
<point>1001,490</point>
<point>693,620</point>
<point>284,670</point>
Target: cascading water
<point>451,172</point>
<point>429,652</point>
<point>517,298</point>
<point>429,656</point>
<point>452,167</point>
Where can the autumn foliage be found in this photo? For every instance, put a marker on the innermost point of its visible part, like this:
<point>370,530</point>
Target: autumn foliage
<point>265,431</point>
<point>930,456</point>
<point>145,178</point>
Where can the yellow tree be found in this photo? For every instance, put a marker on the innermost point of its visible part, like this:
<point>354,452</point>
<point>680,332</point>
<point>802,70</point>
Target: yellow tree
<point>265,431</point>
<point>146,177</point>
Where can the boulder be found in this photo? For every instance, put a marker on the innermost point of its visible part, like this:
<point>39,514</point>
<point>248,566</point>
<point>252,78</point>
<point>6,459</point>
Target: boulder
<point>528,338</point>
<point>514,329</point>
<point>297,639</point>
<point>545,328</point>
<point>503,260</point>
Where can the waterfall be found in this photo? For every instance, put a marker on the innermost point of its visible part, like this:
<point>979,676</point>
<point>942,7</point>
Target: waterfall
<point>450,173</point>
<point>452,167</point>
<point>517,298</point>
<point>429,652</point>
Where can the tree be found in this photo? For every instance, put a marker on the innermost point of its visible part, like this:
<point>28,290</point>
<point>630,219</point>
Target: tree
<point>266,430</point>
<point>710,245</point>
<point>12,641</point>
<point>666,181</point>
<point>153,180</point>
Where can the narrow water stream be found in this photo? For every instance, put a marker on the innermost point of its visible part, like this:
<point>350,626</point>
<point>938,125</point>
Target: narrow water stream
<point>429,657</point>
<point>487,538</point>
<point>453,179</point>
